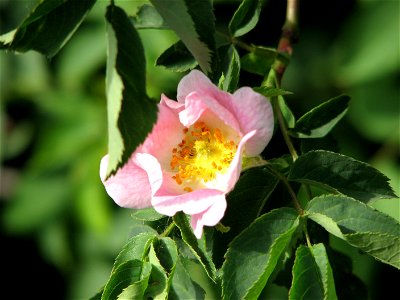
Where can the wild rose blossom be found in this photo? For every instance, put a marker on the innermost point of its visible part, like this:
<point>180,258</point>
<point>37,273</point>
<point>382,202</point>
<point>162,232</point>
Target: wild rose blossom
<point>193,156</point>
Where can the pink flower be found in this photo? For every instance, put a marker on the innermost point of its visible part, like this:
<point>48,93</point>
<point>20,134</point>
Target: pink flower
<point>193,156</point>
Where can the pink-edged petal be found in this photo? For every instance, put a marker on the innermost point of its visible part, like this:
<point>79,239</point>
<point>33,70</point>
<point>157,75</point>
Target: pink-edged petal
<point>177,106</point>
<point>151,166</point>
<point>166,133</point>
<point>190,203</point>
<point>226,181</point>
<point>129,187</point>
<point>254,112</point>
<point>196,104</point>
<point>210,217</point>
<point>196,81</point>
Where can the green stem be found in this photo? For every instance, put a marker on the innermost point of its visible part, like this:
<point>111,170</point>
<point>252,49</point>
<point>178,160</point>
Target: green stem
<point>168,230</point>
<point>292,194</point>
<point>307,236</point>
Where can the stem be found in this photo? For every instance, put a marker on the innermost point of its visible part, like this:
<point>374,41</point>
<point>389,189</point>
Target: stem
<point>168,230</point>
<point>307,236</point>
<point>295,201</point>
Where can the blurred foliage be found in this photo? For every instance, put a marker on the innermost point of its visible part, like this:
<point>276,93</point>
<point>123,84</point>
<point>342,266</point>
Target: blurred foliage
<point>54,210</point>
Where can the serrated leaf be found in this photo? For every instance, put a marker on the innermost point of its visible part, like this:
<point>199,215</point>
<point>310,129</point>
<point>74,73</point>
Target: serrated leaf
<point>254,254</point>
<point>312,274</point>
<point>136,248</point>
<point>183,287</point>
<point>341,173</point>
<point>147,17</point>
<point>359,224</point>
<point>320,120</point>
<point>259,61</point>
<point>147,214</point>
<point>177,58</point>
<point>131,115</point>
<point>128,281</point>
<point>167,253</point>
<point>193,22</point>
<point>190,239</point>
<point>48,27</point>
<point>231,69</point>
<point>158,288</point>
<point>245,17</point>
<point>286,112</point>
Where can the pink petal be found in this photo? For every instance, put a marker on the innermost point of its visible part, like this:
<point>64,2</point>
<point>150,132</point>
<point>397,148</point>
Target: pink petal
<point>196,104</point>
<point>151,166</point>
<point>225,182</point>
<point>129,187</point>
<point>166,134</point>
<point>190,203</point>
<point>210,217</point>
<point>254,112</point>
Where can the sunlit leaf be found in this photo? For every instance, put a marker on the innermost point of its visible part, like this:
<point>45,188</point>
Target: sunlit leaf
<point>254,254</point>
<point>258,61</point>
<point>231,69</point>
<point>193,22</point>
<point>245,17</point>
<point>147,214</point>
<point>48,27</point>
<point>341,173</point>
<point>359,224</point>
<point>312,274</point>
<point>131,114</point>
<point>158,288</point>
<point>147,17</point>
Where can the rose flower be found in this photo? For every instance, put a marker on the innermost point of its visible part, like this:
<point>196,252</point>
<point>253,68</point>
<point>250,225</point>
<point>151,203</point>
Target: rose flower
<point>193,156</point>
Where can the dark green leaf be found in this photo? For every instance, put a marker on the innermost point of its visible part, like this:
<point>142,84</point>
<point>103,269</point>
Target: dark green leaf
<point>340,173</point>
<point>48,27</point>
<point>136,248</point>
<point>177,58</point>
<point>328,143</point>
<point>189,238</point>
<point>193,22</point>
<point>183,287</point>
<point>312,274</point>
<point>128,281</point>
<point>320,120</point>
<point>254,254</point>
<point>167,253</point>
<point>147,17</point>
<point>259,61</point>
<point>245,17</point>
<point>131,115</point>
<point>359,224</point>
<point>231,69</point>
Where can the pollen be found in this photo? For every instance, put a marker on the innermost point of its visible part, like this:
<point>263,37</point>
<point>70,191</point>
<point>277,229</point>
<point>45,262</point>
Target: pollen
<point>203,154</point>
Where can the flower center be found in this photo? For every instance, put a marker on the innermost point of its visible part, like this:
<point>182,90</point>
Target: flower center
<point>203,153</point>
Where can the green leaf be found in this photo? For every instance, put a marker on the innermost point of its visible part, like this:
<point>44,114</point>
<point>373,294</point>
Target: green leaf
<point>286,112</point>
<point>48,27</point>
<point>193,22</point>
<point>254,254</point>
<point>167,253</point>
<point>259,61</point>
<point>177,58</point>
<point>147,214</point>
<point>136,248</point>
<point>131,115</point>
<point>147,17</point>
<point>246,202</point>
<point>312,274</point>
<point>336,172</point>
<point>158,288</point>
<point>359,224</point>
<point>190,239</point>
<point>128,281</point>
<point>245,17</point>
<point>271,91</point>
<point>320,120</point>
<point>231,69</point>
<point>183,287</point>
